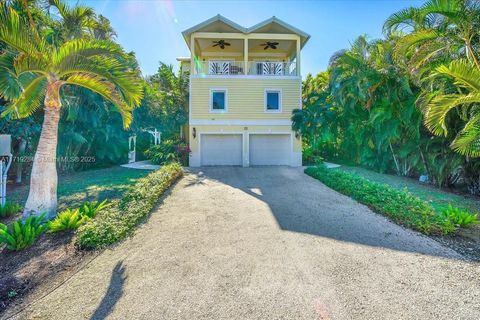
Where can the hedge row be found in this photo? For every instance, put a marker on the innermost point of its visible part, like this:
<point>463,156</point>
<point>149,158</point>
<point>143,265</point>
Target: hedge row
<point>117,222</point>
<point>399,205</point>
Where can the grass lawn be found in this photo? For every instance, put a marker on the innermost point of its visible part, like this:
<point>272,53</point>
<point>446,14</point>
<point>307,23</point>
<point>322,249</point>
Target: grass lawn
<point>76,188</point>
<point>438,198</point>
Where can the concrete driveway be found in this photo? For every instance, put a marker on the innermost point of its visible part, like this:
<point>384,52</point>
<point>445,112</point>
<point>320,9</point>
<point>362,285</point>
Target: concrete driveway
<point>267,243</point>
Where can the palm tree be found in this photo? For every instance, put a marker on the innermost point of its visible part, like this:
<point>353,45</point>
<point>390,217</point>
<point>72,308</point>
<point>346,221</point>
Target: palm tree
<point>34,72</point>
<point>437,29</point>
<point>466,77</point>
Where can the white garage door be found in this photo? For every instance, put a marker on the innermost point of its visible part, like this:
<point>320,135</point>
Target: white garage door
<point>270,149</point>
<point>221,149</point>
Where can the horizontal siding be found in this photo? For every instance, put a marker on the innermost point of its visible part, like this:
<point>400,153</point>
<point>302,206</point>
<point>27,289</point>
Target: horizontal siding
<point>245,97</point>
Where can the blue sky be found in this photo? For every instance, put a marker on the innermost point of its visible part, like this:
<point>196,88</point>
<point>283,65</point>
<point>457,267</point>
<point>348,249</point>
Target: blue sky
<point>152,28</point>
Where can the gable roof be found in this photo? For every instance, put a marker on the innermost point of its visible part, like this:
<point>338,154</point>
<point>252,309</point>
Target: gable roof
<point>271,25</point>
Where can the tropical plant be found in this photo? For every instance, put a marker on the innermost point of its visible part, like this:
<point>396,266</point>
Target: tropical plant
<point>9,209</point>
<point>169,151</point>
<point>37,72</point>
<point>67,220</point>
<point>165,103</point>
<point>458,216</point>
<point>22,233</point>
<point>90,209</point>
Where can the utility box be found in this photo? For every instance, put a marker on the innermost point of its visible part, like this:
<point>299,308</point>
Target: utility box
<point>5,145</point>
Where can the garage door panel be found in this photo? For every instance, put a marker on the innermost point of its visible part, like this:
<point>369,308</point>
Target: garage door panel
<point>221,149</point>
<point>270,149</point>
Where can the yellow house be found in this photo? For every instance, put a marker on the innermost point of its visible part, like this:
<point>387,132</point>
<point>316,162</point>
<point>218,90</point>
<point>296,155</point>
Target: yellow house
<point>244,84</point>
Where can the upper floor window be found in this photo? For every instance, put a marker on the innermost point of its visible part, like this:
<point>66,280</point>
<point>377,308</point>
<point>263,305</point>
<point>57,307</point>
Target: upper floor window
<point>218,100</point>
<point>273,100</point>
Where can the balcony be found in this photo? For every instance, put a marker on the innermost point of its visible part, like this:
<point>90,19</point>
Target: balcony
<point>251,68</point>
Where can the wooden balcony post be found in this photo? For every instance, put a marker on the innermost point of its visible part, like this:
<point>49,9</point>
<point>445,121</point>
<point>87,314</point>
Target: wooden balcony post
<point>192,54</point>
<point>298,57</point>
<point>245,56</point>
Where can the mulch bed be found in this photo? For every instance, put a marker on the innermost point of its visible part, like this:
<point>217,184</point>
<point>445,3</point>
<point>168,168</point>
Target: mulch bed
<point>32,273</point>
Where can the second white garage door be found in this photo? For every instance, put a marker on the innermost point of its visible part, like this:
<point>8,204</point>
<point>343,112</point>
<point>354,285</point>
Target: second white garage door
<point>221,149</point>
<point>270,149</point>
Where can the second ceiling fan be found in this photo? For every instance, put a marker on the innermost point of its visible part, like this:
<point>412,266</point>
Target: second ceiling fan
<point>268,44</point>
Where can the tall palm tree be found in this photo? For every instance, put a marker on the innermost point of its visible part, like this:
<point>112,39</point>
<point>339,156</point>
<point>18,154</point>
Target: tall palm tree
<point>33,73</point>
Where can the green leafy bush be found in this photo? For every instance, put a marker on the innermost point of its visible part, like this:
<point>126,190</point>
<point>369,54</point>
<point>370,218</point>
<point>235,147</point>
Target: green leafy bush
<point>90,209</point>
<point>67,220</point>
<point>120,219</point>
<point>459,217</point>
<point>169,151</point>
<point>9,209</point>
<point>72,219</point>
<point>400,205</point>
<point>22,233</point>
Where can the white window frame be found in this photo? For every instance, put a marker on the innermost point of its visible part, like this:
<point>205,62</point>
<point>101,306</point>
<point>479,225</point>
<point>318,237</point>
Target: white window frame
<point>267,90</point>
<point>212,90</point>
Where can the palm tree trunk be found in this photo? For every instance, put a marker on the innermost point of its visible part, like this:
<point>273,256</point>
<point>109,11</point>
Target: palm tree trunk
<point>42,196</point>
<point>395,159</point>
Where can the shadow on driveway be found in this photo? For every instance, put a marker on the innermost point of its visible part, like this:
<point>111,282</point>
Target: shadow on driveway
<point>113,294</point>
<point>302,204</point>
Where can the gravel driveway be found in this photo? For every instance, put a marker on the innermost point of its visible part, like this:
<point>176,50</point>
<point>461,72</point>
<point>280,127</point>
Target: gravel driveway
<point>267,243</point>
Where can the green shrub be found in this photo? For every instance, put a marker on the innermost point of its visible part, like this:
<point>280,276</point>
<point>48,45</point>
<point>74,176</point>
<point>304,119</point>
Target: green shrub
<point>120,219</point>
<point>72,219</point>
<point>22,233</point>
<point>90,209</point>
<point>9,209</point>
<point>169,151</point>
<point>400,205</point>
<point>459,217</point>
<point>67,220</point>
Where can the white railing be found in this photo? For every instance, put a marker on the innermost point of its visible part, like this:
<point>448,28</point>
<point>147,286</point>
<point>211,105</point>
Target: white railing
<point>272,68</point>
<point>220,67</point>
<point>233,68</point>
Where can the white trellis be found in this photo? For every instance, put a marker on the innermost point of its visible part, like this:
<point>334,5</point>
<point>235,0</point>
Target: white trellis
<point>132,145</point>
<point>5,162</point>
<point>156,135</point>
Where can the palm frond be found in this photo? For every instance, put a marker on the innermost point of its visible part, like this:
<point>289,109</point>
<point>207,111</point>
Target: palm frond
<point>438,108</point>
<point>31,63</point>
<point>406,18</point>
<point>127,81</point>
<point>467,141</point>
<point>14,32</point>
<point>464,73</point>
<point>413,39</point>
<point>10,86</point>
<point>86,48</point>
<point>106,90</point>
<point>29,100</point>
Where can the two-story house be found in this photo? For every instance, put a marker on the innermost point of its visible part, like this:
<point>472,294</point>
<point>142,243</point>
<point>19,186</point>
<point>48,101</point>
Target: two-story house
<point>244,84</point>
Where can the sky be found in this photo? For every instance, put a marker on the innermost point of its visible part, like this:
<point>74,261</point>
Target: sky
<point>152,28</point>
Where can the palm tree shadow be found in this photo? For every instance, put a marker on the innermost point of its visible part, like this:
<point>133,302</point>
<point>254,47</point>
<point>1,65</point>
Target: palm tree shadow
<point>113,294</point>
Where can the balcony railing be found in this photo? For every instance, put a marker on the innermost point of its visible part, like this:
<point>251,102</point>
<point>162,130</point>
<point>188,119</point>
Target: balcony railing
<point>257,68</point>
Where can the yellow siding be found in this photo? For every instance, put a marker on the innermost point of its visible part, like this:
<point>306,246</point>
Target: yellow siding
<point>245,97</point>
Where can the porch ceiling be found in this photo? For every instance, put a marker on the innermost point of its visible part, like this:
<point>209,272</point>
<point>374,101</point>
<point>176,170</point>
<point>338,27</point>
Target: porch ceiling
<point>255,47</point>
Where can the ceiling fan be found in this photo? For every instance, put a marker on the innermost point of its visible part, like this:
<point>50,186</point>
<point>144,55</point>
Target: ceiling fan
<point>268,44</point>
<point>221,44</point>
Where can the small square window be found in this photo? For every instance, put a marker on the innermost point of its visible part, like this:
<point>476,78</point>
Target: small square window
<point>272,100</point>
<point>218,100</point>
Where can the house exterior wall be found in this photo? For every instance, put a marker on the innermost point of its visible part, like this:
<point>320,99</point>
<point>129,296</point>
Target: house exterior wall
<point>245,97</point>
